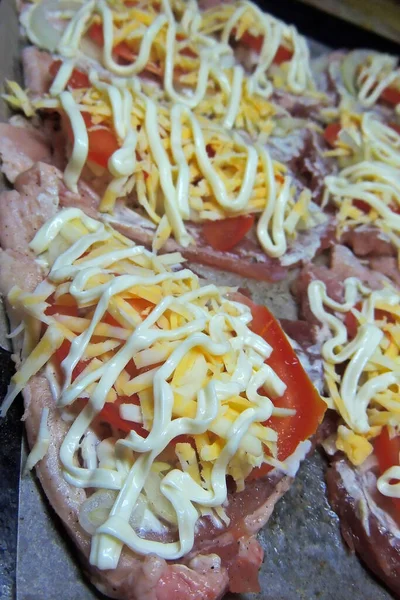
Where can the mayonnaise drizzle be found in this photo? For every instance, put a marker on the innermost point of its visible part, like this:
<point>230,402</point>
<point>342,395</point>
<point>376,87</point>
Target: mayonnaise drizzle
<point>274,32</point>
<point>211,326</point>
<point>373,78</point>
<point>80,147</point>
<point>174,169</point>
<point>355,395</point>
<point>375,183</point>
<point>41,444</point>
<point>383,142</point>
<point>214,59</point>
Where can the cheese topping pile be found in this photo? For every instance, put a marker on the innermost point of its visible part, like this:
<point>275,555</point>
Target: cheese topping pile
<point>366,75</point>
<point>172,359</point>
<point>187,168</point>
<point>367,193</point>
<point>366,137</point>
<point>362,373</point>
<point>176,42</point>
<point>236,19</point>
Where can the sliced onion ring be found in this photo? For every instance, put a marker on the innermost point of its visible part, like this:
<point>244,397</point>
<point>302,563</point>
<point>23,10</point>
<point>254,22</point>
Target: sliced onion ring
<point>38,26</point>
<point>349,67</point>
<point>96,509</point>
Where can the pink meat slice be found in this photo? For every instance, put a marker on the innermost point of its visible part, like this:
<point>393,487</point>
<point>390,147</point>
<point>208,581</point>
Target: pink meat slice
<point>203,581</point>
<point>368,522</point>
<point>388,266</point>
<point>238,549</point>
<point>223,557</point>
<point>246,259</point>
<point>205,575</point>
<point>343,264</point>
<point>20,148</point>
<point>36,66</point>
<point>368,241</point>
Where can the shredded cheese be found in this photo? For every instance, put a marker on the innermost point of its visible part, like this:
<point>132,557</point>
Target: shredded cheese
<point>374,183</point>
<point>185,46</point>
<point>367,393</point>
<point>204,372</point>
<point>187,168</point>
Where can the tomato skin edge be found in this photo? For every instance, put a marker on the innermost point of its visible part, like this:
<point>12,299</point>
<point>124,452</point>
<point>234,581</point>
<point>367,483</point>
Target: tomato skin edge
<point>301,426</point>
<point>387,452</point>
<point>331,133</point>
<point>223,235</point>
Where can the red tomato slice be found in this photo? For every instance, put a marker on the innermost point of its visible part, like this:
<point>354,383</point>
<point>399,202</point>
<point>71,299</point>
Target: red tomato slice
<point>282,55</point>
<point>70,309</point>
<point>110,411</point>
<point>331,133</point>
<point>255,42</point>
<point>102,142</point>
<point>62,353</point>
<point>110,414</point>
<point>77,80</point>
<point>391,95</point>
<point>95,33</point>
<point>300,393</point>
<point>362,205</point>
<point>224,234</point>
<point>395,127</point>
<point>351,322</point>
<point>121,50</point>
<point>387,452</point>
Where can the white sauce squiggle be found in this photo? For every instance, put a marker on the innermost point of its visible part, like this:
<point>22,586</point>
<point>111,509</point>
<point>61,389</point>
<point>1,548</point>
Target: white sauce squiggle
<point>369,387</point>
<point>206,325</point>
<point>175,169</point>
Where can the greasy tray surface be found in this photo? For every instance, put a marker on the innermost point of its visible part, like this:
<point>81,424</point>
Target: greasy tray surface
<point>304,554</point>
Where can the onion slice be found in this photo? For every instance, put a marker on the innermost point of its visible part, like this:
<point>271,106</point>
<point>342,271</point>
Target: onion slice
<point>96,510</point>
<point>349,68</point>
<point>37,23</point>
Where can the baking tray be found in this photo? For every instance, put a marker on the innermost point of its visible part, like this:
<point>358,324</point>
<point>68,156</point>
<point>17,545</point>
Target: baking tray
<point>305,558</point>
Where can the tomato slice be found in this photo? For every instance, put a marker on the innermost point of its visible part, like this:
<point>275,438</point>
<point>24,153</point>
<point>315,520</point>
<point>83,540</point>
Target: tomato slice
<point>62,353</point>
<point>225,234</point>
<point>95,33</point>
<point>362,205</point>
<point>282,55</point>
<point>102,142</point>
<point>391,95</point>
<point>300,394</point>
<point>110,414</point>
<point>122,49</point>
<point>69,309</point>
<point>255,42</point>
<point>351,322</point>
<point>331,133</point>
<point>77,80</point>
<point>388,454</point>
<point>395,126</point>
